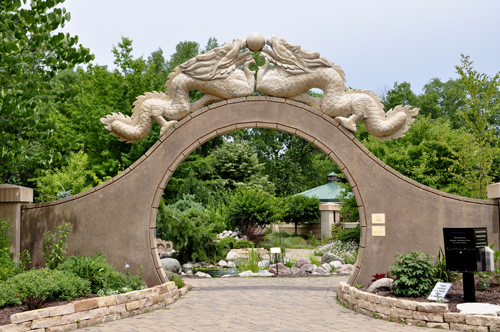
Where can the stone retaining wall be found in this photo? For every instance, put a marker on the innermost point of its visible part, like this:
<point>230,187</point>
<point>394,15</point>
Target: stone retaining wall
<point>83,313</point>
<point>435,315</point>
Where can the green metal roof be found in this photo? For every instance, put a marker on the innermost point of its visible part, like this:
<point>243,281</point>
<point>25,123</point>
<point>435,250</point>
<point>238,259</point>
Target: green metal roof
<point>326,193</point>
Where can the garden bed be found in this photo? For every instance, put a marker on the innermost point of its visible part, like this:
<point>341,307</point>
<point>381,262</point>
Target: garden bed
<point>71,315</point>
<point>455,295</point>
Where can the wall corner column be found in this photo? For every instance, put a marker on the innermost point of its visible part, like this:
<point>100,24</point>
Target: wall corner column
<point>328,218</point>
<point>11,199</point>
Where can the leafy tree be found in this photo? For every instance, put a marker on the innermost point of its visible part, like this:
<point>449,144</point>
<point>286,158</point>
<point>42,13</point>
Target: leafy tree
<point>481,103</point>
<point>31,53</point>
<point>75,177</point>
<point>251,207</point>
<point>288,159</point>
<point>301,209</point>
<point>400,94</point>
<point>237,163</point>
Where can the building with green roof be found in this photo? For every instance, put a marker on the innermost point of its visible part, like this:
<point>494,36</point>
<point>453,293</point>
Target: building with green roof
<point>328,192</point>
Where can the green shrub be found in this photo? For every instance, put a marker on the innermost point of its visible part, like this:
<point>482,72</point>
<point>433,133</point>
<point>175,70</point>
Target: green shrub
<point>295,241</point>
<point>243,244</point>
<point>254,207</point>
<point>188,226</point>
<point>35,286</point>
<point>100,274</point>
<point>55,245</point>
<point>414,274</point>
<point>177,279</point>
<point>350,234</point>
<point>7,267</point>
<point>227,242</point>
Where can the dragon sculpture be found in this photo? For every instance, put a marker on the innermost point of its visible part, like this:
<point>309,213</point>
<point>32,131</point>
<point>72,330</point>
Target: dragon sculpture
<point>295,71</point>
<point>215,73</point>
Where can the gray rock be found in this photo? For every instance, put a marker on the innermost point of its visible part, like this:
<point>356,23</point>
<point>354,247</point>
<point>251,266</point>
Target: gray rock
<point>384,283</point>
<point>264,263</point>
<point>210,266</point>
<point>171,264</point>
<point>165,254</point>
<point>294,270</point>
<point>187,266</point>
<point>320,271</point>
<point>222,263</point>
<point>189,272</point>
<point>202,275</point>
<point>335,265</point>
<point>169,274</point>
<point>301,261</point>
<point>327,267</point>
<point>246,274</point>
<point>232,256</point>
<point>197,265</point>
<point>307,268</point>
<point>265,273</point>
<point>230,264</point>
<point>228,276</point>
<point>281,268</point>
<point>329,257</point>
<point>315,274</point>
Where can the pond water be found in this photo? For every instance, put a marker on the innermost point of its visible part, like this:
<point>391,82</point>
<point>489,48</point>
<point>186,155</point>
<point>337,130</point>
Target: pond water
<point>215,272</point>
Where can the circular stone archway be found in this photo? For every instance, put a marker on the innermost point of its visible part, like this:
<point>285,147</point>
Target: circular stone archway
<point>118,218</point>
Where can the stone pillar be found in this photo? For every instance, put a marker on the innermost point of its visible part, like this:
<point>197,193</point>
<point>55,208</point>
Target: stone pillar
<point>493,192</point>
<point>11,199</point>
<point>329,216</point>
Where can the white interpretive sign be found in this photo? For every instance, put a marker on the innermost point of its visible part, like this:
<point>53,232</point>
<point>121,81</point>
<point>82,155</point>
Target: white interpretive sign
<point>439,291</point>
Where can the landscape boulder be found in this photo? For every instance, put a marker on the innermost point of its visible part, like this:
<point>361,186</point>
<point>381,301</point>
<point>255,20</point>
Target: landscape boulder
<point>330,257</point>
<point>335,264</point>
<point>383,283</point>
<point>302,261</point>
<point>232,256</point>
<point>171,264</point>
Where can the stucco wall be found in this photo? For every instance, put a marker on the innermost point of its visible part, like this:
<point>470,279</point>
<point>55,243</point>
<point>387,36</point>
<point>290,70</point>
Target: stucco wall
<point>118,217</point>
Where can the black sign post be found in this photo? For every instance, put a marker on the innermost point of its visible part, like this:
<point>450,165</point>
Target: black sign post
<point>462,250</point>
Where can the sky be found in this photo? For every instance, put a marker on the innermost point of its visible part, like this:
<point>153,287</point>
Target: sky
<point>377,43</point>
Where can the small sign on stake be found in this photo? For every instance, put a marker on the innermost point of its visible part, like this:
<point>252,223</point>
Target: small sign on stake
<point>439,291</point>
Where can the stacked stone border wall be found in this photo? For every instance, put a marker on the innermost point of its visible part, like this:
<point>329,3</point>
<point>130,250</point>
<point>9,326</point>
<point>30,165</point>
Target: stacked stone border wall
<point>434,315</point>
<point>83,313</point>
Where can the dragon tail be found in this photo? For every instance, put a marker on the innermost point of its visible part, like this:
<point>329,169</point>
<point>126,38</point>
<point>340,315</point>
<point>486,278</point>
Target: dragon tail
<point>135,128</point>
<point>386,126</point>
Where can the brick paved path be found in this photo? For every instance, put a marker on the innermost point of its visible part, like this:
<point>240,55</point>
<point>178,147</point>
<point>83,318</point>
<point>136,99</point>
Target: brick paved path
<point>255,304</point>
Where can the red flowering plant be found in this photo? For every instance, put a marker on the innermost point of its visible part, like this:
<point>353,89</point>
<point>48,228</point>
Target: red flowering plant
<point>380,276</point>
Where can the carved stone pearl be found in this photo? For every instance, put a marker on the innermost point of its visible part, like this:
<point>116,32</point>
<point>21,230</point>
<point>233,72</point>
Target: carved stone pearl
<point>255,42</point>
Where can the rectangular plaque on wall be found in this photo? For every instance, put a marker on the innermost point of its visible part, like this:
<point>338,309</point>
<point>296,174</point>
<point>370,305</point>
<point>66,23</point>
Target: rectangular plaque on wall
<point>378,218</point>
<point>378,230</point>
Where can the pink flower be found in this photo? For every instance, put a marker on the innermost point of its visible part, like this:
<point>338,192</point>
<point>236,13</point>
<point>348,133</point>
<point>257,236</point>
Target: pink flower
<point>127,266</point>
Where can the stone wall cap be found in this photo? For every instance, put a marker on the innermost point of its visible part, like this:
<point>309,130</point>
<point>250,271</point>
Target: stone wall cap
<point>15,194</point>
<point>329,207</point>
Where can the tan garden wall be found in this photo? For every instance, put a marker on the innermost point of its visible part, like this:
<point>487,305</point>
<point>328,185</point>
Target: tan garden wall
<point>118,217</point>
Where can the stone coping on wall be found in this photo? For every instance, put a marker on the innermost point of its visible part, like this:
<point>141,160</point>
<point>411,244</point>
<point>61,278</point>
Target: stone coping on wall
<point>87,312</point>
<point>428,314</point>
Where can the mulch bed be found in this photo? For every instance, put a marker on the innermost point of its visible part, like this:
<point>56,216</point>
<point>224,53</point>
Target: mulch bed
<point>6,312</point>
<point>456,294</point>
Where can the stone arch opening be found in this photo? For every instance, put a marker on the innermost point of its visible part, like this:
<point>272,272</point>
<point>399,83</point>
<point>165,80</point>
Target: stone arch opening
<point>124,209</point>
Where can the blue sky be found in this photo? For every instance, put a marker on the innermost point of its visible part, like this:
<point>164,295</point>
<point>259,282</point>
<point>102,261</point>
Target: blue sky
<point>376,42</point>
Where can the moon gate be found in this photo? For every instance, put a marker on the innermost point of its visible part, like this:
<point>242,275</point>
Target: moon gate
<point>118,218</point>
